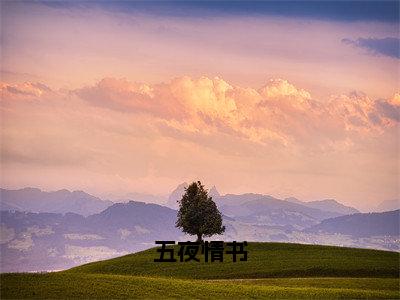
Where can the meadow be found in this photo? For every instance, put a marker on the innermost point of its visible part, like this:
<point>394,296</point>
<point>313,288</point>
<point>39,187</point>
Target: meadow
<point>273,270</point>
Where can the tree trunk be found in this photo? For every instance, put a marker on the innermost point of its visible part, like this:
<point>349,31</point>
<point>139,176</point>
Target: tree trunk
<point>199,239</point>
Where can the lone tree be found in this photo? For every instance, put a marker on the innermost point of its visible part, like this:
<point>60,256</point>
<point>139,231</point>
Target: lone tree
<point>198,214</point>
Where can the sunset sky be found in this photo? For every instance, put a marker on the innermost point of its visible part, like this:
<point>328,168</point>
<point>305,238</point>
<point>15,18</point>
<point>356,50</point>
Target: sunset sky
<point>120,97</point>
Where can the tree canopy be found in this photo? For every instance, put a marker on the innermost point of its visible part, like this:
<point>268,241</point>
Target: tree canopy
<point>198,214</point>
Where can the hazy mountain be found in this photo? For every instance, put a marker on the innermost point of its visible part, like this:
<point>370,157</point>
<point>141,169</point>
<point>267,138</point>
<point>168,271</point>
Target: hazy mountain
<point>39,241</point>
<point>267,210</point>
<point>48,241</point>
<point>213,192</point>
<point>388,205</point>
<point>361,225</point>
<point>326,205</point>
<point>232,199</point>
<point>63,201</point>
<point>176,195</point>
<point>331,205</point>
<point>137,217</point>
<point>141,197</point>
<point>294,200</point>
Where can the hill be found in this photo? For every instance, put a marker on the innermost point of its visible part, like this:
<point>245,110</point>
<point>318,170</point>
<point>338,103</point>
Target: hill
<point>265,260</point>
<point>273,270</point>
<point>361,225</point>
<point>62,201</point>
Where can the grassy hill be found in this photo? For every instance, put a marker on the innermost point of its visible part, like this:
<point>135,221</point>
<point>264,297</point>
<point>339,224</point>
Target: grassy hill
<point>273,270</point>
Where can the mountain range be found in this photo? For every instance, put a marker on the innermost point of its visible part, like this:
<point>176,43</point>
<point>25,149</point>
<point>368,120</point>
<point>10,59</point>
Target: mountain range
<point>326,205</point>
<point>48,241</point>
<point>56,230</point>
<point>62,201</point>
<point>267,210</point>
<point>361,225</point>
<point>388,205</point>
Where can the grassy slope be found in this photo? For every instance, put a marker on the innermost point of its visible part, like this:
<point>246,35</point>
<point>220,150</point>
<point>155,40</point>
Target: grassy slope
<point>264,260</point>
<point>316,271</point>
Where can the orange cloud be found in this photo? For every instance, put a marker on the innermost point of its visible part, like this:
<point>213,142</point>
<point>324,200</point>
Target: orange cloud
<point>23,91</point>
<point>278,112</point>
<point>118,135</point>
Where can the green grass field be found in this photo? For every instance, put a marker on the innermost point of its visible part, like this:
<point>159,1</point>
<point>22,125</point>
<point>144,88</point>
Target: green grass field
<point>274,270</point>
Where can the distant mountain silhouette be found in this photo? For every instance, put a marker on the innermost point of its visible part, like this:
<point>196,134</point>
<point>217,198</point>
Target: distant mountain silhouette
<point>62,201</point>
<point>388,205</point>
<point>326,205</point>
<point>331,205</point>
<point>294,200</point>
<point>361,225</point>
<point>48,241</point>
<point>155,220</point>
<point>213,192</point>
<point>267,210</point>
<point>176,195</point>
<point>140,197</point>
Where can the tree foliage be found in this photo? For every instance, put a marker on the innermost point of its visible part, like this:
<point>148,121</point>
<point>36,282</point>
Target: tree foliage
<point>198,214</point>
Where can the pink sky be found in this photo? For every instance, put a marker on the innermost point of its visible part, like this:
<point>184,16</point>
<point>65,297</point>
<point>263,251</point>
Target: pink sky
<point>113,103</point>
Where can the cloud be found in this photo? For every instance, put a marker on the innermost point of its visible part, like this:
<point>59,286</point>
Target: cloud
<point>384,47</point>
<point>27,90</point>
<point>180,99</point>
<point>278,112</point>
<point>149,49</point>
<point>390,109</point>
<point>119,135</point>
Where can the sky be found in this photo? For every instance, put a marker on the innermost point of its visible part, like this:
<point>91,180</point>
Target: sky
<point>282,98</point>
